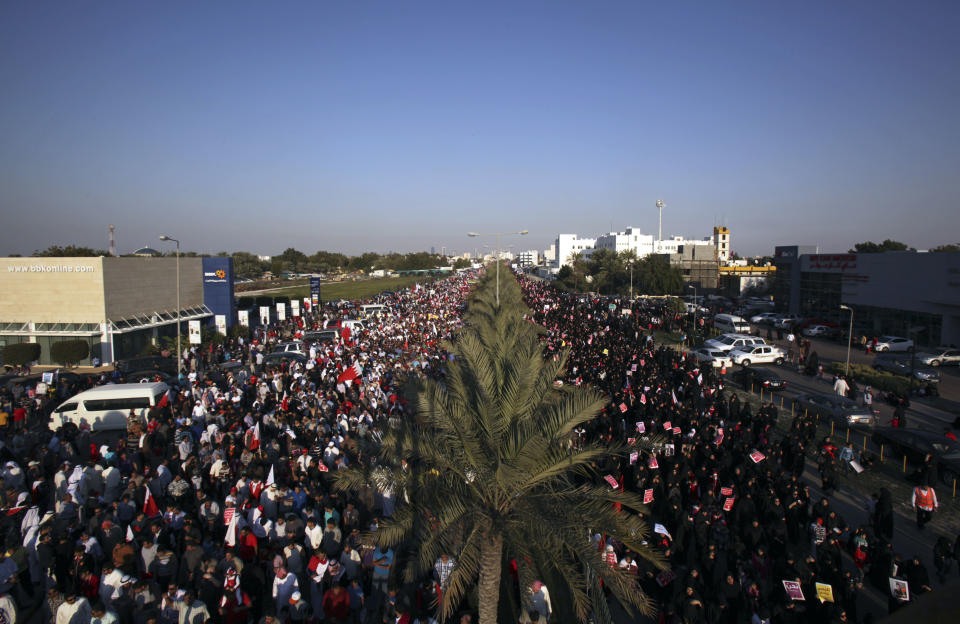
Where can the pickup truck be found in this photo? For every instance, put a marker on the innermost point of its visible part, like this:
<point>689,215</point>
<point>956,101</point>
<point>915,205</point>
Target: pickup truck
<point>757,354</point>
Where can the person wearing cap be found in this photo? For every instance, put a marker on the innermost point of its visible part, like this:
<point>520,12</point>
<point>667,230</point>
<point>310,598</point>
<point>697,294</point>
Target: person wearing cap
<point>298,609</point>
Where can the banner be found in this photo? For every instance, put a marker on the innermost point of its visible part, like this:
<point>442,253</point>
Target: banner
<point>794,590</point>
<point>315,291</point>
<point>243,317</point>
<point>264,315</point>
<point>193,330</point>
<point>294,307</point>
<point>281,311</point>
<point>220,320</point>
<point>306,304</point>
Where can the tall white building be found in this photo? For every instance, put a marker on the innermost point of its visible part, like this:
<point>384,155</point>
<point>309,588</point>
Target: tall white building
<point>721,239</point>
<point>568,244</point>
<point>528,258</point>
<point>631,239</point>
<point>672,245</point>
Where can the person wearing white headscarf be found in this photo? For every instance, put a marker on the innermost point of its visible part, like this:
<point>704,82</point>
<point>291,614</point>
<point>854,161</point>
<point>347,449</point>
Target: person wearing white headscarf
<point>76,486</point>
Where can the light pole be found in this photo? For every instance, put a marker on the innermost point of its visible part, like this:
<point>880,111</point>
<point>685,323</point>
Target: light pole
<point>695,305</point>
<point>164,237</point>
<point>846,368</point>
<point>497,235</point>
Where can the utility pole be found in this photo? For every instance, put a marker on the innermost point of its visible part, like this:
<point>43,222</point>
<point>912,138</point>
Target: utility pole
<point>660,205</point>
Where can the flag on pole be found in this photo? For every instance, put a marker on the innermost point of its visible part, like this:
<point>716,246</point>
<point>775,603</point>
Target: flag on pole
<point>350,373</point>
<point>150,508</point>
<point>255,438</point>
<point>231,538</point>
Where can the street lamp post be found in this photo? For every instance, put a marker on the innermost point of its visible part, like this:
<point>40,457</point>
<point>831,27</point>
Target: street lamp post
<point>694,287</point>
<point>846,368</point>
<point>164,237</point>
<point>497,235</point>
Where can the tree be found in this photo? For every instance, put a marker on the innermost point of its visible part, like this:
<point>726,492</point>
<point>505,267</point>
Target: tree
<point>69,352</point>
<point>491,477</point>
<point>953,248</point>
<point>70,251</point>
<point>21,353</point>
<point>887,245</point>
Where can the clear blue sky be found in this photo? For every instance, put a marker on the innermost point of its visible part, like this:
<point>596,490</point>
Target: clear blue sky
<point>355,126</point>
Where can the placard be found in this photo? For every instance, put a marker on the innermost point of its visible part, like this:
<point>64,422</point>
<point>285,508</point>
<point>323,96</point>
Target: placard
<point>757,457</point>
<point>728,504</point>
<point>662,530</point>
<point>669,450</point>
<point>667,426</point>
<point>613,482</point>
<point>794,590</point>
<point>824,592</point>
<point>47,377</point>
<point>726,491</point>
<point>193,331</point>
<point>648,496</point>
<point>634,457</point>
<point>228,514</point>
<point>856,466</point>
<point>665,578</point>
<point>900,590</point>
<point>676,431</point>
<point>652,462</point>
<point>623,407</point>
<point>641,428</point>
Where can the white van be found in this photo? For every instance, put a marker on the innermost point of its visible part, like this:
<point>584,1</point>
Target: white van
<point>728,342</point>
<point>730,324</point>
<point>106,408</point>
<point>372,309</point>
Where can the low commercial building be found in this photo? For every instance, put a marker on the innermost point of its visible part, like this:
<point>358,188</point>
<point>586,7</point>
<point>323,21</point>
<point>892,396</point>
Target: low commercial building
<point>698,265</point>
<point>116,305</point>
<point>901,293</point>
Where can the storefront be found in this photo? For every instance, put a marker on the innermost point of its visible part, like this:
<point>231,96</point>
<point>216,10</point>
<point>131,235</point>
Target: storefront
<point>117,305</point>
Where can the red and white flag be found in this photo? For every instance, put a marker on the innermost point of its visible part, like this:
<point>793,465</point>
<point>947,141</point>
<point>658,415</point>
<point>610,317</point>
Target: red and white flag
<point>150,508</point>
<point>255,437</point>
<point>231,537</point>
<point>322,467</point>
<point>350,373</point>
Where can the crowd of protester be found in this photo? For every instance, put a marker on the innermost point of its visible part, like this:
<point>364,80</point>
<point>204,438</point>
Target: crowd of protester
<point>217,504</point>
<point>726,493</point>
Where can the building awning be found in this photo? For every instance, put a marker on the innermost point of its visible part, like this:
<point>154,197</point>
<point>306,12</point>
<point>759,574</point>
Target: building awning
<point>122,326</point>
<point>158,319</point>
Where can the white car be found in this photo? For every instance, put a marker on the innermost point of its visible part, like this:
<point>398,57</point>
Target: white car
<point>757,354</point>
<point>893,343</point>
<point>785,321</point>
<point>940,356</point>
<point>716,357</point>
<point>816,330</point>
<point>290,347</point>
<point>727,342</point>
<point>763,317</point>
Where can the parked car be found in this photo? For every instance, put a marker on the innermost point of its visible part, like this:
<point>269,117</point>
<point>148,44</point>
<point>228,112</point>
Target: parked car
<point>903,366</point>
<point>290,347</point>
<point>821,330</point>
<point>767,377</point>
<point>840,410</point>
<point>716,357</point>
<point>757,354</point>
<point>764,318</point>
<point>893,343</point>
<point>917,444</point>
<point>785,321</point>
<point>727,342</point>
<point>148,362</point>
<point>939,356</point>
<point>276,359</point>
<point>145,376</point>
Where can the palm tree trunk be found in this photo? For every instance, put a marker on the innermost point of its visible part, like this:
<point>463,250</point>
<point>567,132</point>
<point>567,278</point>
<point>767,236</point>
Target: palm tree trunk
<point>491,555</point>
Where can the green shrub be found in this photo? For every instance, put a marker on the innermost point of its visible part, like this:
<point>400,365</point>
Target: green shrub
<point>867,376</point>
<point>69,352</point>
<point>21,354</point>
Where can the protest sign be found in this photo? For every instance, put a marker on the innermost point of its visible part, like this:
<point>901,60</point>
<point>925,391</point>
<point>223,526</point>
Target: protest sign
<point>794,590</point>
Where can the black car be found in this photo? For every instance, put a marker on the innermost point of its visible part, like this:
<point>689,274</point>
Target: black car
<point>757,375</point>
<point>150,375</point>
<point>902,365</point>
<point>277,359</point>
<point>917,444</point>
<point>147,363</point>
<point>841,410</point>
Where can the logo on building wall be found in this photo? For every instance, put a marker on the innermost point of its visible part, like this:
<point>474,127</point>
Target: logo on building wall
<point>221,273</point>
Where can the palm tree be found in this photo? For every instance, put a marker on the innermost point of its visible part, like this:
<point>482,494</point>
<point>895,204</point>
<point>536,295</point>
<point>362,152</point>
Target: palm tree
<point>492,476</point>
